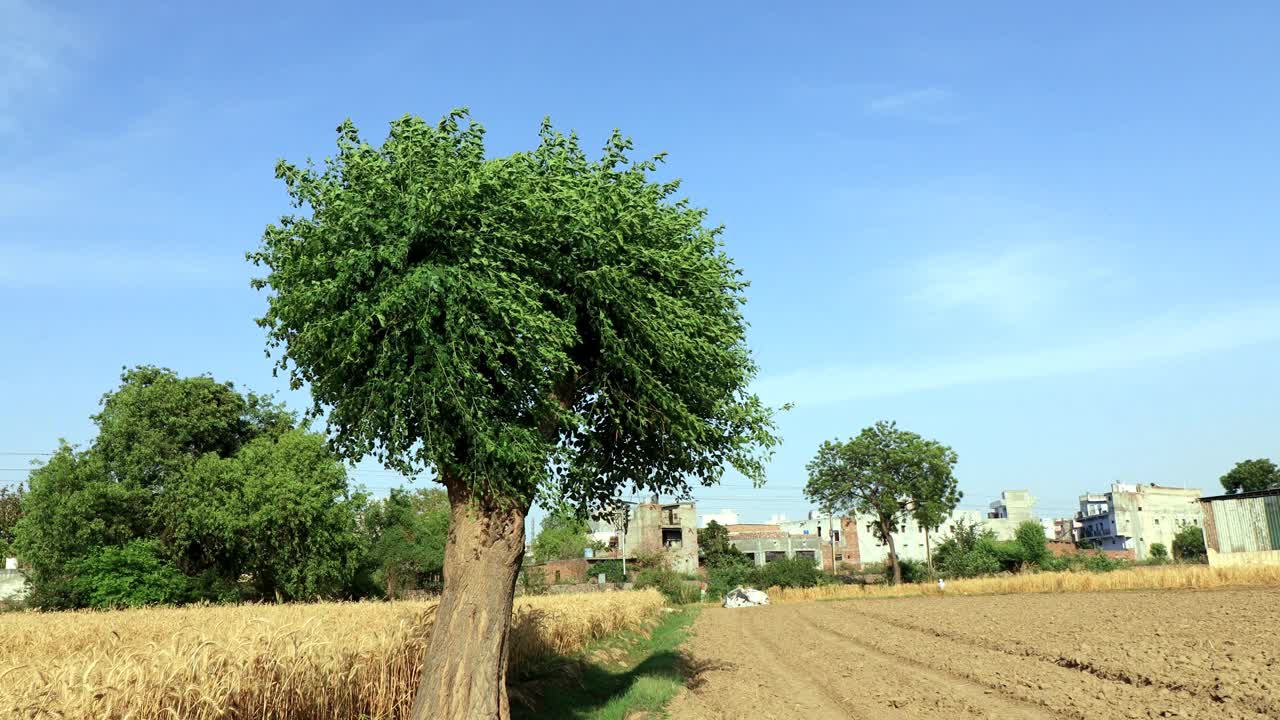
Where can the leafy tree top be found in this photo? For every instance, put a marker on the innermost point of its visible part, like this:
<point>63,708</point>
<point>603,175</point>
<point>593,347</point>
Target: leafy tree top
<point>1251,476</point>
<point>535,320</point>
<point>888,473</point>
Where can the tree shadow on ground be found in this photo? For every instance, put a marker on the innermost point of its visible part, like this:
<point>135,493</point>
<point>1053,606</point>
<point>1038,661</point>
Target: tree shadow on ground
<point>581,688</point>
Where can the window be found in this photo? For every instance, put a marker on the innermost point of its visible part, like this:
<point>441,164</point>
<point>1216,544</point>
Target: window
<point>839,557</point>
<point>835,535</point>
<point>672,537</point>
<point>809,555</point>
<point>771,555</point>
<point>819,531</point>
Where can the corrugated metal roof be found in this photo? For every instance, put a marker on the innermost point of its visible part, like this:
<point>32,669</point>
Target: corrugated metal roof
<point>1237,496</point>
<point>1248,522</point>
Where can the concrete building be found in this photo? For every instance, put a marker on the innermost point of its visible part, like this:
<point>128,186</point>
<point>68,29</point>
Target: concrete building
<point>1012,509</point>
<point>1242,529</point>
<point>651,528</point>
<point>1065,530</point>
<point>1135,517</point>
<point>13,583</point>
<point>724,517</point>
<point>812,539</point>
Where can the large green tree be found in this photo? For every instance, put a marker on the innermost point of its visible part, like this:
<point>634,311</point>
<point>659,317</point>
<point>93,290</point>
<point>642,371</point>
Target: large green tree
<point>893,475</point>
<point>536,324</point>
<point>213,483</point>
<point>1251,476</point>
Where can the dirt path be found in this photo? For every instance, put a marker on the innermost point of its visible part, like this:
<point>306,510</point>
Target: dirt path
<point>876,660</point>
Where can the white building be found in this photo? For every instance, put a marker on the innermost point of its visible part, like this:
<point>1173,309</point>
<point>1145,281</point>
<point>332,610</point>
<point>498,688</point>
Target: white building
<point>1012,509</point>
<point>724,517</point>
<point>911,542</point>
<point>1135,517</point>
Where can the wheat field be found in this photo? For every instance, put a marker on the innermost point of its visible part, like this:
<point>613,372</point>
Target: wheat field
<point>289,662</point>
<point>1160,577</point>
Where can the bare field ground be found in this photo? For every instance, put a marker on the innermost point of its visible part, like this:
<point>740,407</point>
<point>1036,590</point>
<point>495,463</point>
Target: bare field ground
<point>1189,654</point>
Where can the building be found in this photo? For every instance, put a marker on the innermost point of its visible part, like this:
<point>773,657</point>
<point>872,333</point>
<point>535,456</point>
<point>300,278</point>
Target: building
<point>1065,530</point>
<point>724,517</point>
<point>1242,529</point>
<point>1135,517</point>
<point>1012,509</point>
<point>812,539</point>
<point>650,528</point>
<point>13,584</point>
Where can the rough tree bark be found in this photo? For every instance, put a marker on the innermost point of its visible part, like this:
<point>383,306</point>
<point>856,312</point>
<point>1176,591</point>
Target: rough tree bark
<point>464,672</point>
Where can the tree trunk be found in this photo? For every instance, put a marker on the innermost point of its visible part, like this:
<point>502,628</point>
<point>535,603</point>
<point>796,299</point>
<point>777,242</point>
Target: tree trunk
<point>928,551</point>
<point>893,553</point>
<point>464,673</point>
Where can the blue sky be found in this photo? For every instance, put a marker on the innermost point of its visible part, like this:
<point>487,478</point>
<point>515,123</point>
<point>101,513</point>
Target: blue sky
<point>1044,236</point>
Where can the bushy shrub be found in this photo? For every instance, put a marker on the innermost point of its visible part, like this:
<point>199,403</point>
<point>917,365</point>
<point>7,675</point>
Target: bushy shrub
<point>1159,553</point>
<point>1102,563</point>
<point>131,575</point>
<point>788,573</point>
<point>670,583</point>
<point>913,571</point>
<point>533,580</point>
<point>1188,545</point>
<point>612,570</point>
<point>1030,539</point>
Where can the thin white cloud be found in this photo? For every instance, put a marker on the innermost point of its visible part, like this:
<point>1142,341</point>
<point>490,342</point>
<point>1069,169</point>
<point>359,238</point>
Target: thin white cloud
<point>908,101</point>
<point>30,267</point>
<point>34,45</point>
<point>1160,339</point>
<point>1010,285</point>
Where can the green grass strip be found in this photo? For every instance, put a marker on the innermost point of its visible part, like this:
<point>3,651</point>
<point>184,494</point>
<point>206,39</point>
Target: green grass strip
<point>617,676</point>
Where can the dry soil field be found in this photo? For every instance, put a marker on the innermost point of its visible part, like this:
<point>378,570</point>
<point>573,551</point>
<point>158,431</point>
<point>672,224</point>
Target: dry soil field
<point>1197,654</point>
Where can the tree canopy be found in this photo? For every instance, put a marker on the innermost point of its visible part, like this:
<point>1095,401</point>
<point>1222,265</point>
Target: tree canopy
<point>1251,476</point>
<point>535,320</point>
<point>893,475</point>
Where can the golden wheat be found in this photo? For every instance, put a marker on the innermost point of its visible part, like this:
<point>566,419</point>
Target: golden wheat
<point>327,660</point>
<point>1166,577</point>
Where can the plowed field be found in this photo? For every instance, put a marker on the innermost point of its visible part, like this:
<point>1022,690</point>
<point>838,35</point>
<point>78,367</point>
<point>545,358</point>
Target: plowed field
<point>1210,654</point>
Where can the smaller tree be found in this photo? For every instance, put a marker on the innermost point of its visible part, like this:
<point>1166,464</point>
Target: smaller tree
<point>1159,552</point>
<point>1031,540</point>
<point>1252,476</point>
<point>564,536</point>
<point>717,551</point>
<point>893,475</point>
<point>10,511</point>
<point>407,534</point>
<point>1188,544</point>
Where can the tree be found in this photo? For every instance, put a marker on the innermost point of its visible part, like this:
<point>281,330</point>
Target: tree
<point>535,324</point>
<point>10,511</point>
<point>886,473</point>
<point>219,483</point>
<point>1159,552</point>
<point>1029,536</point>
<point>407,538</point>
<point>1188,544</point>
<point>1251,476</point>
<point>717,551</point>
<point>564,536</point>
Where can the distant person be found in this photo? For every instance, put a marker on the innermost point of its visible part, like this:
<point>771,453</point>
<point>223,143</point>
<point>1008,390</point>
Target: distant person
<point>942,585</point>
